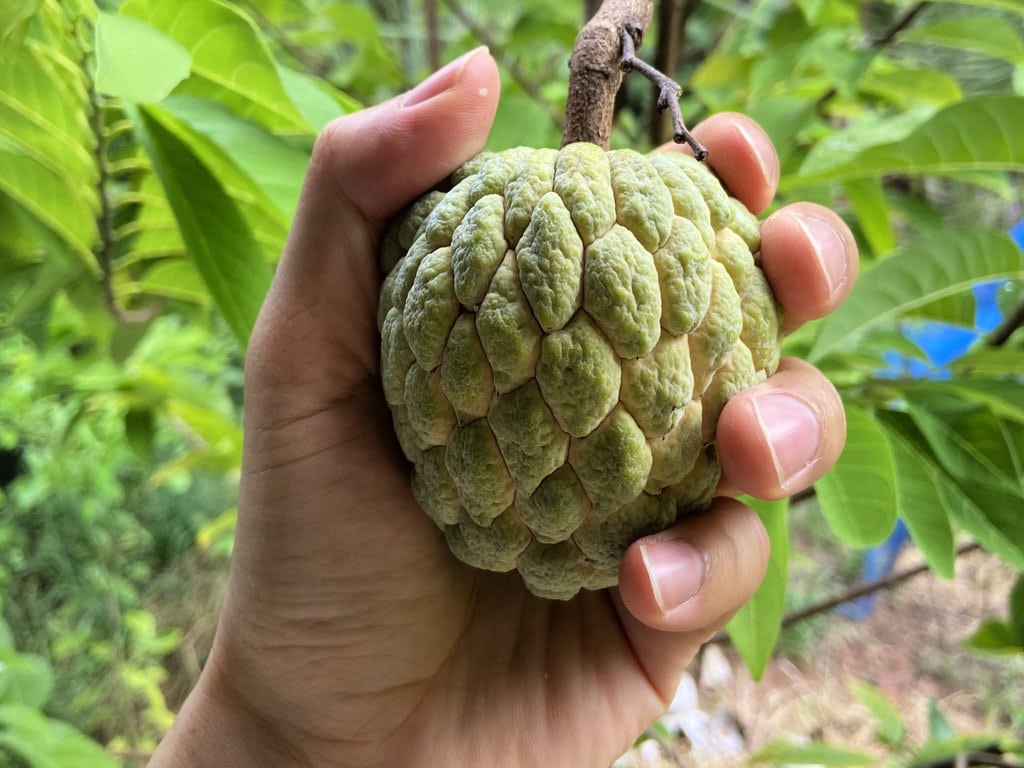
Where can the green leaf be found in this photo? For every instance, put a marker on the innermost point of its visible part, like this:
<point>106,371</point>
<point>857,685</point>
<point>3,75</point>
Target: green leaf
<point>815,753</point>
<point>891,728</point>
<point>970,447</point>
<point>46,743</point>
<point>219,242</point>
<point>994,636</point>
<point>858,495</point>
<point>140,431</point>
<point>920,504</point>
<point>930,268</point>
<point>136,62</point>
<point>939,750</point>
<point>231,61</point>
<point>977,33</point>
<point>991,362</point>
<point>245,157</point>
<point>903,85</point>
<point>939,728</point>
<point>1005,397</point>
<point>14,18</point>
<point>317,100</point>
<point>977,134</point>
<point>24,679</point>
<point>175,279</point>
<point>966,512</point>
<point>867,197</point>
<point>755,628</point>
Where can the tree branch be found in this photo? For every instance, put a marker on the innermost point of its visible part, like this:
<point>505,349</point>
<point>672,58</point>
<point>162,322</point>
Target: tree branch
<point>861,590</point>
<point>595,71</point>
<point>1008,327</point>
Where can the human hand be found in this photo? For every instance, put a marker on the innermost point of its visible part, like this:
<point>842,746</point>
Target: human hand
<point>350,636</point>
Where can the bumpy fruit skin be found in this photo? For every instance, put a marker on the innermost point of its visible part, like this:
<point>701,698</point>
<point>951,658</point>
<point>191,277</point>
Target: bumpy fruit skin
<point>560,332</point>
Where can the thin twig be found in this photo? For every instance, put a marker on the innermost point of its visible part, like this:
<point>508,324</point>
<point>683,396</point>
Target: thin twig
<point>669,91</point>
<point>529,87</point>
<point>861,590</point>
<point>1007,328</point>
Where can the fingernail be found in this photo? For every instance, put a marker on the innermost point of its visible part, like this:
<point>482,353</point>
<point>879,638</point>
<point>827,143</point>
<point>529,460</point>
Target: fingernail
<point>444,79</point>
<point>761,147</point>
<point>793,432</point>
<point>676,569</point>
<point>829,247</point>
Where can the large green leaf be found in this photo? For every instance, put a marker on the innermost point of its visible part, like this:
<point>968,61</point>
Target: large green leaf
<point>247,160</point>
<point>920,504</point>
<point>858,496</point>
<point>976,33</point>
<point>867,197</point>
<point>68,212</point>
<point>219,242</point>
<point>1005,397</point>
<point>136,62</point>
<point>755,628</point>
<point>42,112</point>
<point>932,267</point>
<point>970,515</point>
<point>978,134</point>
<point>231,62</point>
<point>14,22</point>
<point>971,447</point>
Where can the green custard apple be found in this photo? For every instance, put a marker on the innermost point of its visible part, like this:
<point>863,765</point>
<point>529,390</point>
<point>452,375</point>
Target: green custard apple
<point>560,332</point>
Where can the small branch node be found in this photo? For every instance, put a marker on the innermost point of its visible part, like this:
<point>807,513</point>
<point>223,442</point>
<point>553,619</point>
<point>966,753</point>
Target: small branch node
<point>669,91</point>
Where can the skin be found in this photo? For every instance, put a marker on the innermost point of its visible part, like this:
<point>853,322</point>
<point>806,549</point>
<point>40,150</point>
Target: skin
<point>349,635</point>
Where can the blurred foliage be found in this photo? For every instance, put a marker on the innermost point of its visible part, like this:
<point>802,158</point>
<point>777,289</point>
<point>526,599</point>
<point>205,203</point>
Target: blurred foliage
<point>151,156</point>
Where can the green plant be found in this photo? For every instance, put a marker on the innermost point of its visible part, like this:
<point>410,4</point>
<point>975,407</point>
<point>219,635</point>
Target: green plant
<point>27,736</point>
<point>942,746</point>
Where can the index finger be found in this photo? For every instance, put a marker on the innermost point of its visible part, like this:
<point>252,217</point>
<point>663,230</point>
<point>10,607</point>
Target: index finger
<point>741,155</point>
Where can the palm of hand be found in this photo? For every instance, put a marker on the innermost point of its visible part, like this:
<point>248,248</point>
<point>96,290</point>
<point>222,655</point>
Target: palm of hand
<point>366,631</point>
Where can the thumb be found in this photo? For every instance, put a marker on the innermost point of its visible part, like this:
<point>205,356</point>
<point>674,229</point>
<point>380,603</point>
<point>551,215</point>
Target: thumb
<point>317,330</point>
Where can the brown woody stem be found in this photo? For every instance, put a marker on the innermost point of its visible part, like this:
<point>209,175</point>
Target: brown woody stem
<point>595,71</point>
<point>604,49</point>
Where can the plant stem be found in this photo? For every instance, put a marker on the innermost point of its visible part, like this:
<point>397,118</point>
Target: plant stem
<point>604,49</point>
<point>668,94</point>
<point>861,590</point>
<point>1007,328</point>
<point>595,71</point>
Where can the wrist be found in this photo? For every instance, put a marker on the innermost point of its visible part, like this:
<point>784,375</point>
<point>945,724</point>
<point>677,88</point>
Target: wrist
<point>213,730</point>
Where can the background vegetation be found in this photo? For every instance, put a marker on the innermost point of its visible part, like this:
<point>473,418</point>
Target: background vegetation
<point>151,155</point>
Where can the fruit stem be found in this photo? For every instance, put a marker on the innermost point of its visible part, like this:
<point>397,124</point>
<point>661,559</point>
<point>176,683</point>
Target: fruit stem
<point>604,49</point>
<point>595,71</point>
<point>668,90</point>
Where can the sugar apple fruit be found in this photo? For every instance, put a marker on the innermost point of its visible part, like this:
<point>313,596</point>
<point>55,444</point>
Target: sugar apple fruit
<point>560,332</point>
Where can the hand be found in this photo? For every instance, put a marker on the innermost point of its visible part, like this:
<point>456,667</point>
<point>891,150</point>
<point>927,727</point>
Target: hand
<point>349,635</point>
